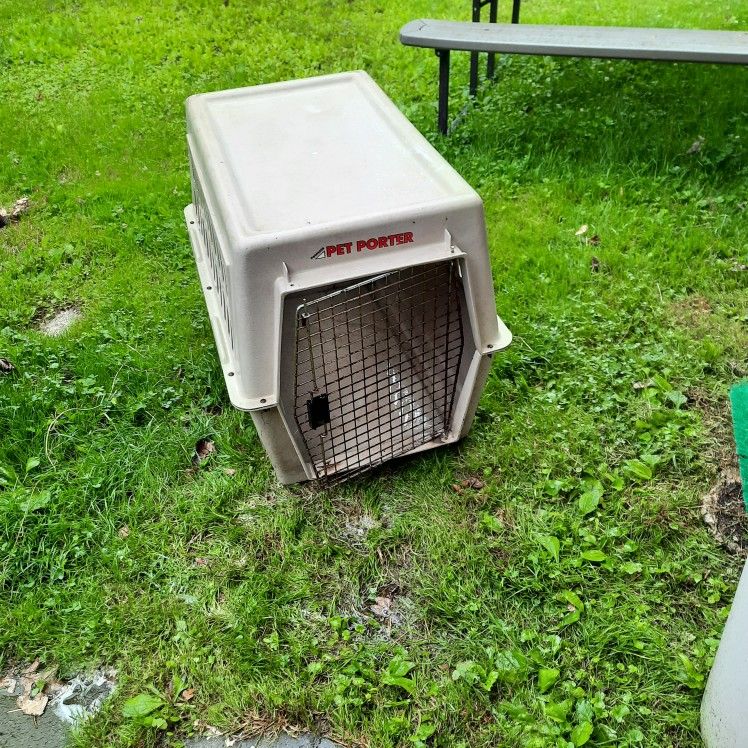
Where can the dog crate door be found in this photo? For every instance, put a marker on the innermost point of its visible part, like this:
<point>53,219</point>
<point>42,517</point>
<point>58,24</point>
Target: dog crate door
<point>376,367</point>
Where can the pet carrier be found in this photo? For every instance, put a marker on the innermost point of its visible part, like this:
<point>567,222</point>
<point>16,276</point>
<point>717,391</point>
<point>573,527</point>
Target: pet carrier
<point>345,270</point>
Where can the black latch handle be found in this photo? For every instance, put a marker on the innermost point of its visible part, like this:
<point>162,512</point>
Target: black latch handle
<point>318,409</point>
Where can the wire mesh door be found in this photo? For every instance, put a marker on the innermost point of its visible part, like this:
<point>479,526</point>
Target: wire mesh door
<point>377,366</point>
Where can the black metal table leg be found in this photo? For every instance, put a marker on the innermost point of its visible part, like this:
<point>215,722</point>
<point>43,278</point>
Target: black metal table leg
<point>443,117</point>
<point>515,11</point>
<point>477,5</point>
<point>493,14</point>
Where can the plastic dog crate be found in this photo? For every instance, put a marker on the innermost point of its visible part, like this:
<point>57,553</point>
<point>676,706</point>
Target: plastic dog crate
<point>345,270</point>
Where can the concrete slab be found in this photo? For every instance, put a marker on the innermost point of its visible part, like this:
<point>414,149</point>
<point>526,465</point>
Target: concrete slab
<point>69,702</point>
<point>17,730</point>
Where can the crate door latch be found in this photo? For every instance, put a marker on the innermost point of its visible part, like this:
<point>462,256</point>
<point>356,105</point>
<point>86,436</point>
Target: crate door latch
<point>318,410</point>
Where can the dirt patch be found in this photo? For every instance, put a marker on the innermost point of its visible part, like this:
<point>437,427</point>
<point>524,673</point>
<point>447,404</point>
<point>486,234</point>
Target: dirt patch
<point>472,482</point>
<point>60,322</point>
<point>204,448</point>
<point>723,510</point>
<point>714,409</point>
<point>389,605</point>
<point>280,741</point>
<point>353,529</point>
<point>359,527</point>
<point>692,311</point>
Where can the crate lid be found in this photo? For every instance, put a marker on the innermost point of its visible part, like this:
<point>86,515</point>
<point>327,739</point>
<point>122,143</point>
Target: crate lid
<point>312,152</point>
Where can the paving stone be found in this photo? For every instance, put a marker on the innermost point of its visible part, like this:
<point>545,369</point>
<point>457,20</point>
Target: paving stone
<point>69,702</point>
<point>20,731</point>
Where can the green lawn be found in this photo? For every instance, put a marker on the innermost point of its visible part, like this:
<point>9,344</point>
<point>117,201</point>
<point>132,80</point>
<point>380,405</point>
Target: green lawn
<point>576,590</point>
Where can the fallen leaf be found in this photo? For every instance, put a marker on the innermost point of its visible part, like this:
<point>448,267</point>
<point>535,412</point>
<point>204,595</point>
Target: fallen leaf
<point>642,385</point>
<point>696,146</point>
<point>6,367</point>
<point>52,686</point>
<point>31,706</point>
<point>595,265</point>
<point>381,607</point>
<point>583,229</point>
<point>475,483</point>
<point>32,668</point>
<point>457,488</point>
<point>123,531</point>
<point>204,448</point>
<point>229,471</point>
<point>199,561</point>
<point>187,695</point>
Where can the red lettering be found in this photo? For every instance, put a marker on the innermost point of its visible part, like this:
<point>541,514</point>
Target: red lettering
<point>374,242</point>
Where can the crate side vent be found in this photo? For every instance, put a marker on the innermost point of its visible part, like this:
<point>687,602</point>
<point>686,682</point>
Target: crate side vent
<point>215,258</point>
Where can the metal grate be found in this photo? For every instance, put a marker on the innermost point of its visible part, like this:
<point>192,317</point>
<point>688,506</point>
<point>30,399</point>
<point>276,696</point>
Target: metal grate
<point>210,242</point>
<point>377,366</point>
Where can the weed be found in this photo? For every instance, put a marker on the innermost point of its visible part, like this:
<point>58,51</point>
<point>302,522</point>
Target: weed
<point>568,596</point>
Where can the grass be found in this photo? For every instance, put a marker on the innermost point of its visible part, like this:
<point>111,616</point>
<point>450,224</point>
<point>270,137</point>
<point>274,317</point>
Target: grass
<point>575,593</point>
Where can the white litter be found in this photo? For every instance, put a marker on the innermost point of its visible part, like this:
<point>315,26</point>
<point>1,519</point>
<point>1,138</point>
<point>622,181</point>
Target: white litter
<point>83,696</point>
<point>61,322</point>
